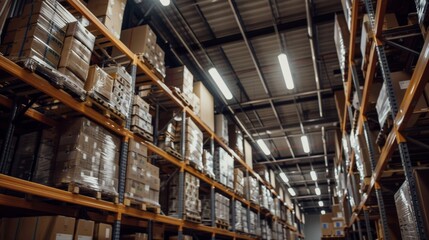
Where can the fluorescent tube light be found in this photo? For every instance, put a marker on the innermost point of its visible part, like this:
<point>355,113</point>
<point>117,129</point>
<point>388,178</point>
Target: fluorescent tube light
<point>313,175</point>
<point>305,146</point>
<point>220,83</point>
<point>317,190</point>
<point>320,203</point>
<point>287,75</point>
<point>263,146</point>
<point>165,2</point>
<point>284,177</point>
<point>323,212</point>
<point>292,192</point>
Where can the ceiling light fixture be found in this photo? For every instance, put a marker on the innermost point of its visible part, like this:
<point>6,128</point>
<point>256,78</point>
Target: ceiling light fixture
<point>284,177</point>
<point>220,83</point>
<point>287,75</point>
<point>305,146</point>
<point>165,3</point>
<point>313,175</point>
<point>323,212</point>
<point>320,203</point>
<point>292,192</point>
<point>263,146</point>
<point>317,190</point>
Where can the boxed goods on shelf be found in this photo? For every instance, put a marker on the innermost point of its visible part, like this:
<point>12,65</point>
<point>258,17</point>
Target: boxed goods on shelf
<point>21,166</point>
<point>254,226</point>
<point>84,229</point>
<point>208,164</point>
<point>248,157</point>
<point>251,185</point>
<point>122,91</point>
<point>400,81</point>
<point>421,176</point>
<point>222,210</point>
<point>235,137</point>
<point>110,13</point>
<point>196,104</point>
<point>193,144</point>
<point>102,231</point>
<point>45,157</point>
<point>238,216</point>
<point>342,39</point>
<point>347,9</point>
<point>244,220</point>
<point>224,167</point>
<point>88,157</point>
<point>266,230</point>
<point>266,199</point>
<point>326,224</point>
<point>422,10</point>
<point>262,170</point>
<point>141,119</point>
<point>353,189</point>
<point>221,127</point>
<point>184,237</point>
<point>99,85</point>
<point>180,78</point>
<point>406,215</point>
<point>206,103</point>
<point>239,181</point>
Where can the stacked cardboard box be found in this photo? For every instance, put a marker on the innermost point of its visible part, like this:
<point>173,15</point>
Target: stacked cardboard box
<point>182,79</point>
<point>142,178</point>
<point>222,209</point>
<point>221,127</point>
<point>196,104</point>
<point>102,231</point>
<point>25,155</point>
<point>235,137</point>
<point>263,172</point>
<point>44,227</point>
<point>43,170</point>
<point>406,215</point>
<point>99,85</point>
<point>266,199</point>
<point>193,143</point>
<point>224,167</point>
<point>110,13</point>
<point>244,220</point>
<point>254,226</point>
<point>266,230</point>
<point>141,120</point>
<point>342,38</point>
<point>238,216</point>
<point>191,201</point>
<point>206,103</point>
<point>142,41</point>
<point>208,163</point>
<point>251,185</point>
<point>169,138</point>
<point>347,9</point>
<point>76,53</point>
<point>122,91</point>
<point>239,181</point>
<point>326,224</point>
<point>338,221</point>
<point>88,156</point>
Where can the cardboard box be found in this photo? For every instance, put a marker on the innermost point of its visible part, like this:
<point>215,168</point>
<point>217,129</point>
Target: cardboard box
<point>55,227</point>
<point>9,228</point>
<point>99,82</point>
<point>110,13</point>
<point>139,40</point>
<point>84,229</point>
<point>76,57</point>
<point>338,232</point>
<point>102,231</point>
<point>78,31</point>
<point>44,32</point>
<point>221,127</point>
<point>34,47</point>
<point>27,228</point>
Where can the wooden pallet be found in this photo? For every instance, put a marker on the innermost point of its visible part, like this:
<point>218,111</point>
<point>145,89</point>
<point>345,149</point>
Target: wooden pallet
<point>194,165</point>
<point>142,133</point>
<point>87,191</point>
<point>192,218</point>
<point>142,205</point>
<point>182,97</point>
<point>102,108</point>
<point>152,68</point>
<point>222,224</point>
<point>173,152</point>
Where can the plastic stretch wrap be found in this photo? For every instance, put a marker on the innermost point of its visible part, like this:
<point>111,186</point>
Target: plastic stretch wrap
<point>253,223</point>
<point>422,8</point>
<point>122,90</point>
<point>45,158</point>
<point>79,31</point>
<point>208,163</point>
<point>383,106</point>
<point>99,84</point>
<point>194,144</point>
<point>24,155</point>
<point>222,207</point>
<point>88,156</point>
<point>252,185</point>
<point>239,181</point>
<point>244,220</point>
<point>406,215</point>
<point>191,201</point>
<point>224,167</point>
<point>341,37</point>
<point>238,220</point>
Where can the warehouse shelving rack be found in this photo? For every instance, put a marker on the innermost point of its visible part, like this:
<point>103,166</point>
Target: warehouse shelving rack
<point>116,211</point>
<point>400,113</point>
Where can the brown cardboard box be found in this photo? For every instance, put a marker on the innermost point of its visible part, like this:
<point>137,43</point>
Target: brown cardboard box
<point>78,31</point>
<point>111,13</point>
<point>139,40</point>
<point>9,228</point>
<point>49,9</point>
<point>327,228</point>
<point>76,57</point>
<point>84,229</point>
<point>339,232</point>
<point>99,82</point>
<point>27,228</point>
<point>248,154</point>
<point>44,32</point>
<point>35,47</point>
<point>158,231</point>
<point>102,231</point>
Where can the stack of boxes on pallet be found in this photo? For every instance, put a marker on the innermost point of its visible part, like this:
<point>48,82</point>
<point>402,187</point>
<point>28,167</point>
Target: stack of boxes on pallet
<point>239,209</point>
<point>26,147</point>
<point>239,181</point>
<point>53,227</point>
<point>235,138</point>
<point>181,80</point>
<point>342,38</point>
<point>141,120</point>
<point>221,127</point>
<point>142,178</point>
<point>266,198</point>
<point>206,100</point>
<point>193,144</point>
<point>254,226</point>
<point>266,230</point>
<point>333,224</point>
<point>221,211</point>
<point>251,185</point>
<point>110,13</point>
<point>191,201</point>
<point>142,41</point>
<point>208,164</point>
<point>45,157</point>
<point>122,91</point>
<point>244,219</point>
<point>224,168</point>
<point>88,157</point>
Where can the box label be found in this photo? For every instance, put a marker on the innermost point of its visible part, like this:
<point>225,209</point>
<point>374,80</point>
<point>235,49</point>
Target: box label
<point>107,234</point>
<point>84,237</point>
<point>61,236</point>
<point>404,84</point>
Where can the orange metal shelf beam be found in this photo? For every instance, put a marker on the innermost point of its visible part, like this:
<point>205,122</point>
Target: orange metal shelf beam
<point>31,113</point>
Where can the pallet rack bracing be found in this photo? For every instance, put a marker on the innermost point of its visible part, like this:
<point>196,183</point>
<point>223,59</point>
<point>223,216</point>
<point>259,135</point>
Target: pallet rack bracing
<point>400,113</point>
<point>116,210</point>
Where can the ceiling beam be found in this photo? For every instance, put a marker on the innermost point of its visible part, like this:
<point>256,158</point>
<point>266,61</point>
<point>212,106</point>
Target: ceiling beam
<point>282,27</point>
<point>297,159</point>
<point>320,182</point>
<point>310,197</point>
<point>308,124</point>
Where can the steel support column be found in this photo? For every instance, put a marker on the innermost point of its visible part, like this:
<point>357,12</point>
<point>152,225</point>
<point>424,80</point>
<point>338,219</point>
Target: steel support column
<point>8,137</point>
<point>359,229</point>
<point>150,230</point>
<point>116,235</point>
<point>181,194</point>
<point>367,224</point>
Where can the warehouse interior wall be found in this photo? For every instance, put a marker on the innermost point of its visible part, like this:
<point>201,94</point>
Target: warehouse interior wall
<point>312,227</point>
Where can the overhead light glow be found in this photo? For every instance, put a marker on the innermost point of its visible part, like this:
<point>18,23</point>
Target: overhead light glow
<point>317,190</point>
<point>220,83</point>
<point>320,203</point>
<point>323,212</point>
<point>284,177</point>
<point>165,2</point>
<point>287,75</point>
<point>305,146</point>
<point>292,192</point>
<point>263,147</point>
<point>313,175</point>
